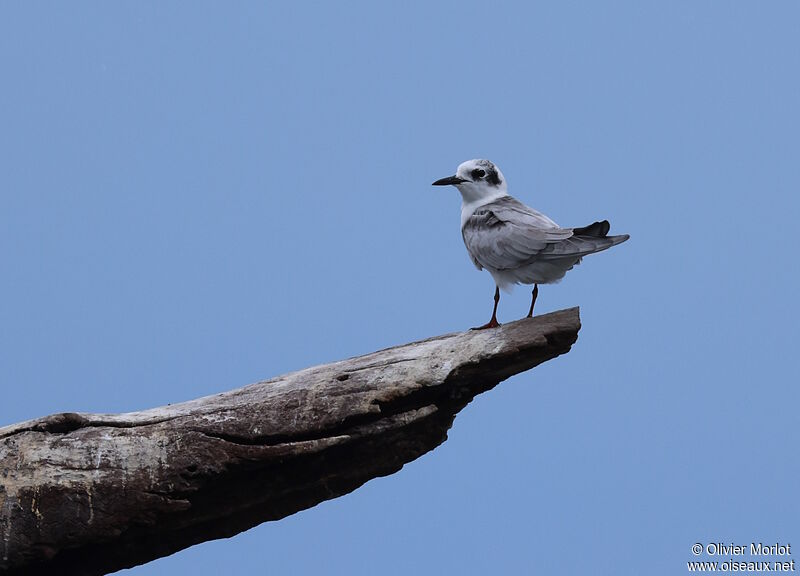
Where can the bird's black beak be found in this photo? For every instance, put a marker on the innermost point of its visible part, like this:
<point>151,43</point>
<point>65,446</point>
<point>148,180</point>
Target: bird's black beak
<point>450,180</point>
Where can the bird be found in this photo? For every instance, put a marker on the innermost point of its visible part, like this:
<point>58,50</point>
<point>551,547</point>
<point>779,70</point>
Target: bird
<point>513,242</point>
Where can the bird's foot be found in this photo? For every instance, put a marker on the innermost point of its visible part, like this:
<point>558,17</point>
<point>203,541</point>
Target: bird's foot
<point>493,323</point>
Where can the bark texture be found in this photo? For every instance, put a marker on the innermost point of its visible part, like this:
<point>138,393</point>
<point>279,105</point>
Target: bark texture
<point>94,493</point>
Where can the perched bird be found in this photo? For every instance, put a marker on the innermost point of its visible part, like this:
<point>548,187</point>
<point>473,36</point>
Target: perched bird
<point>515,243</point>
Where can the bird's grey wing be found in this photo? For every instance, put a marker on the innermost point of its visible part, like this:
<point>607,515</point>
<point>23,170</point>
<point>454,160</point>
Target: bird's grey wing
<point>579,246</point>
<point>507,234</point>
<point>509,208</point>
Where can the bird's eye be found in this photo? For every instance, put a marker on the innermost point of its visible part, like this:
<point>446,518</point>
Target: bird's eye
<point>477,174</point>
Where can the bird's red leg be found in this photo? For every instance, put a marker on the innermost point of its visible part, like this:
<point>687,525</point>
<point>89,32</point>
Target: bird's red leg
<point>493,323</point>
<point>534,294</point>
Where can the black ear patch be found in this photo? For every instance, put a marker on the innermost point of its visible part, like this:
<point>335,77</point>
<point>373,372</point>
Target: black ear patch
<point>493,177</point>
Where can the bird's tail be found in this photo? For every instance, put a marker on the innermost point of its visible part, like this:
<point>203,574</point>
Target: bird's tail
<point>584,241</point>
<point>596,230</point>
<point>599,230</point>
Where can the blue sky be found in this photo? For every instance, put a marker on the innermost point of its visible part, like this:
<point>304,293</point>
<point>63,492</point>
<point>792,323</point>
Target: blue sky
<point>196,197</point>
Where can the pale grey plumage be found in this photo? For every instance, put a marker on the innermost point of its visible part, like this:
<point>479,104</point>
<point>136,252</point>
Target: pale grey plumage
<point>519,245</point>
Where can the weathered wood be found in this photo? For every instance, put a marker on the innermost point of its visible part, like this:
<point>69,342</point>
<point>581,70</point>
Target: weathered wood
<point>92,493</point>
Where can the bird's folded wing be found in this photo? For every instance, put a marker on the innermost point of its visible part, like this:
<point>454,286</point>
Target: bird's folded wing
<point>507,234</point>
<point>579,246</point>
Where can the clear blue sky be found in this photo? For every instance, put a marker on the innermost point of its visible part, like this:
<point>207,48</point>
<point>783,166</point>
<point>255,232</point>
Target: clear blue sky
<point>197,196</point>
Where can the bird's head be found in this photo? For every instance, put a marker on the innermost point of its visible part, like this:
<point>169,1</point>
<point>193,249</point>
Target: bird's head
<point>476,180</point>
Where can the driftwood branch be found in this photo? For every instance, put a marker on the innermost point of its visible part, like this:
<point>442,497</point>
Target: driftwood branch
<point>92,493</point>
